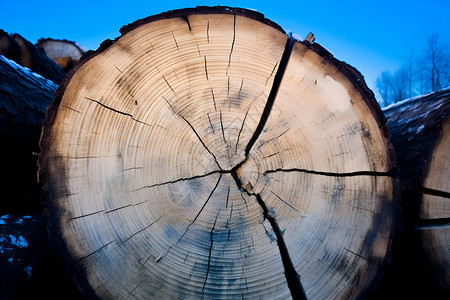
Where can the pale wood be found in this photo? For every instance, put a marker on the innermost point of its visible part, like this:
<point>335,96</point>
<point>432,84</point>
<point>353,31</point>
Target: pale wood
<point>420,132</point>
<point>169,174</point>
<point>65,53</point>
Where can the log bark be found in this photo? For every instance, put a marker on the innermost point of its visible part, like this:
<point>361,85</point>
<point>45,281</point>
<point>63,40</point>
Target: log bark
<point>24,96</point>
<point>26,54</point>
<point>206,154</point>
<point>65,53</point>
<point>420,132</point>
<point>9,47</point>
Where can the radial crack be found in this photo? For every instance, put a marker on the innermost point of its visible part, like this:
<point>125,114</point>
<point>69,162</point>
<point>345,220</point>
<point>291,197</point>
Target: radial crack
<point>206,71</point>
<point>272,95</point>
<point>121,112</point>
<point>186,18</point>
<point>432,223</point>
<point>96,251</point>
<point>110,108</point>
<point>195,219</point>
<point>139,231</point>
<point>119,208</point>
<point>292,277</point>
<point>221,125</point>
<point>435,192</point>
<point>274,138</point>
<point>210,251</point>
<point>334,174</point>
<point>180,179</point>
<point>288,204</point>
<point>211,125</point>
<point>214,99</point>
<point>207,32</point>
<point>232,44</point>
<point>175,40</point>
<point>87,215</point>
<point>193,129</point>
<point>240,130</point>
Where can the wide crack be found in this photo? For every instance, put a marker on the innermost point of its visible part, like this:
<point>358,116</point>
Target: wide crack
<point>292,277</point>
<point>272,95</point>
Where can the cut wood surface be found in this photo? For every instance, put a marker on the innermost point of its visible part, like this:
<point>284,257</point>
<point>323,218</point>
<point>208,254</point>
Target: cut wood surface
<point>420,132</point>
<point>24,96</point>
<point>65,53</point>
<point>206,154</point>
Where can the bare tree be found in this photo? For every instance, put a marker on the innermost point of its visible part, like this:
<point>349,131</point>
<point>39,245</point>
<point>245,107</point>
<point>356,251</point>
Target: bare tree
<point>394,88</point>
<point>384,85</point>
<point>400,84</point>
<point>429,73</point>
<point>437,63</point>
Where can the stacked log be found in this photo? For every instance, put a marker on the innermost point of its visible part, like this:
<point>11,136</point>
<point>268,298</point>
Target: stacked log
<point>65,53</point>
<point>420,132</point>
<point>24,96</point>
<point>206,154</point>
<point>26,54</point>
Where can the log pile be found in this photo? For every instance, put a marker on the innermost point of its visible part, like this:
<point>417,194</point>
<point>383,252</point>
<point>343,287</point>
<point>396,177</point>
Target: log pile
<point>24,97</point>
<point>420,131</point>
<point>26,262</point>
<point>26,54</point>
<point>206,154</point>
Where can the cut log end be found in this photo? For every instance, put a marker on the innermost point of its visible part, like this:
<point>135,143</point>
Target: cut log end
<point>208,155</point>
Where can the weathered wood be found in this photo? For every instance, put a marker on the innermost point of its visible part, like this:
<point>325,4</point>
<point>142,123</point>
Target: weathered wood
<point>65,53</point>
<point>206,154</point>
<point>28,55</point>
<point>420,132</point>
<point>24,96</point>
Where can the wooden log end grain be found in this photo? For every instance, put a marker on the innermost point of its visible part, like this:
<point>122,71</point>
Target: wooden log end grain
<point>64,52</point>
<point>420,132</point>
<point>204,153</point>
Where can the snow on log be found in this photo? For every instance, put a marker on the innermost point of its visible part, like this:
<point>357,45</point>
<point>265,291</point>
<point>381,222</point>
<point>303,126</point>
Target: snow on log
<point>420,132</point>
<point>26,54</point>
<point>206,154</point>
<point>24,96</point>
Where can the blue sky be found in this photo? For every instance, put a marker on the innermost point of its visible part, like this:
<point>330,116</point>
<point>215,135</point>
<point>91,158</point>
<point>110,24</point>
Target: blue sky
<point>372,36</point>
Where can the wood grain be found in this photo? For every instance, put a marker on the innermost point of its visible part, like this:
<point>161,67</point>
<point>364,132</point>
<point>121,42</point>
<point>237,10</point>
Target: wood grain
<point>205,154</point>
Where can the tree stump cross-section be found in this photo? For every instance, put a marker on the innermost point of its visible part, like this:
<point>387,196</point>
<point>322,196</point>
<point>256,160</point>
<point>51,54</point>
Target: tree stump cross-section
<point>206,154</point>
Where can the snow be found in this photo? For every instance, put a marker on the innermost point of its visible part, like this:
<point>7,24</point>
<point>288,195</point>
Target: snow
<point>18,242</point>
<point>297,36</point>
<point>420,128</point>
<point>4,217</point>
<point>2,222</point>
<point>20,69</point>
<point>28,271</point>
<point>19,221</point>
<point>400,103</point>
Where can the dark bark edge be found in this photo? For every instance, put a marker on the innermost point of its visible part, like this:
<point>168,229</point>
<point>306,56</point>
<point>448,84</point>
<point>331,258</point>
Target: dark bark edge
<point>357,79</point>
